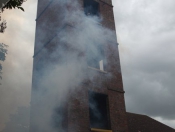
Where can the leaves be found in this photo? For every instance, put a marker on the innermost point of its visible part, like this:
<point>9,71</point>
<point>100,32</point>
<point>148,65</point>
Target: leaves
<point>13,4</point>
<point>3,52</point>
<point>3,26</point>
<point>9,5</point>
<point>21,8</point>
<point>3,48</point>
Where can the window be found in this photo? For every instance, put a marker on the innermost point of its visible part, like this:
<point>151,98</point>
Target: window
<point>59,120</point>
<point>91,7</point>
<point>100,130</point>
<point>95,57</point>
<point>98,111</point>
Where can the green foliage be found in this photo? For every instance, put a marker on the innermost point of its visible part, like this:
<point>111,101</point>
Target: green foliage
<point>9,5</point>
<point>3,26</point>
<point>13,4</point>
<point>3,52</point>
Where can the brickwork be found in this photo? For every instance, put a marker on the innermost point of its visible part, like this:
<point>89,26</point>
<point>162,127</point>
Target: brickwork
<point>108,82</point>
<point>99,84</point>
<point>143,123</point>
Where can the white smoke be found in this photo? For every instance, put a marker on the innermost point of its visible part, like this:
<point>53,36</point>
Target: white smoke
<point>68,67</point>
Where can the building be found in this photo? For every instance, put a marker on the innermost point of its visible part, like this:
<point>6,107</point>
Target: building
<point>96,103</point>
<point>77,81</point>
<point>143,123</point>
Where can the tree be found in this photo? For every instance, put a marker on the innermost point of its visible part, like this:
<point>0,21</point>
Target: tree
<point>3,48</point>
<point>13,4</point>
<point>3,52</point>
<point>3,26</point>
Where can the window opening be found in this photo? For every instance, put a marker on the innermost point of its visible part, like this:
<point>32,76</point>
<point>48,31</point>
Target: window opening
<point>101,65</point>
<point>100,130</point>
<point>91,8</point>
<point>95,57</point>
<point>59,118</point>
<point>98,111</point>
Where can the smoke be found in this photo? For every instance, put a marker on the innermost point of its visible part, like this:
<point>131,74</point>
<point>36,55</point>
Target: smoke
<point>62,66</point>
<point>17,68</point>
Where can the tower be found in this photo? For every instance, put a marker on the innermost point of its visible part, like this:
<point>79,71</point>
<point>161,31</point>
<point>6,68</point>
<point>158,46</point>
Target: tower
<point>77,81</point>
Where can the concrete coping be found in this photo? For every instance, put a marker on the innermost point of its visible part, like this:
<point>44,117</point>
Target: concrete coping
<point>100,130</point>
<point>92,68</point>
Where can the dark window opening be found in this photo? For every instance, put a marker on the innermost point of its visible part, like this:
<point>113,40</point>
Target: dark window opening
<point>98,111</point>
<point>95,57</point>
<point>59,118</point>
<point>91,8</point>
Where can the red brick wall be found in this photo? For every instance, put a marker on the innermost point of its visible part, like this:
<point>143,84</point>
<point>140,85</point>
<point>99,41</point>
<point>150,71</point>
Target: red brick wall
<point>143,123</point>
<point>109,83</point>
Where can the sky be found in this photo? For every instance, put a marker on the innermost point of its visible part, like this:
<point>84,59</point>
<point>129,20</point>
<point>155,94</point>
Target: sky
<point>145,32</point>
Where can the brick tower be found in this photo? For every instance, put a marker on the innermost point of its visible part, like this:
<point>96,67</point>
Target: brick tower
<point>96,104</point>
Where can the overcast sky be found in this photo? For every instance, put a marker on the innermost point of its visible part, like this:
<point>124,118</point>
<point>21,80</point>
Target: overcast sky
<point>146,35</point>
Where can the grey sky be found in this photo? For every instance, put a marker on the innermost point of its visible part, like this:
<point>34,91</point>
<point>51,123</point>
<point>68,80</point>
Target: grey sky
<point>145,31</point>
<point>17,68</point>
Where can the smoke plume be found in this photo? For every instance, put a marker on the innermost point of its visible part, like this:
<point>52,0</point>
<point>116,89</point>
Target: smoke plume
<point>66,67</point>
